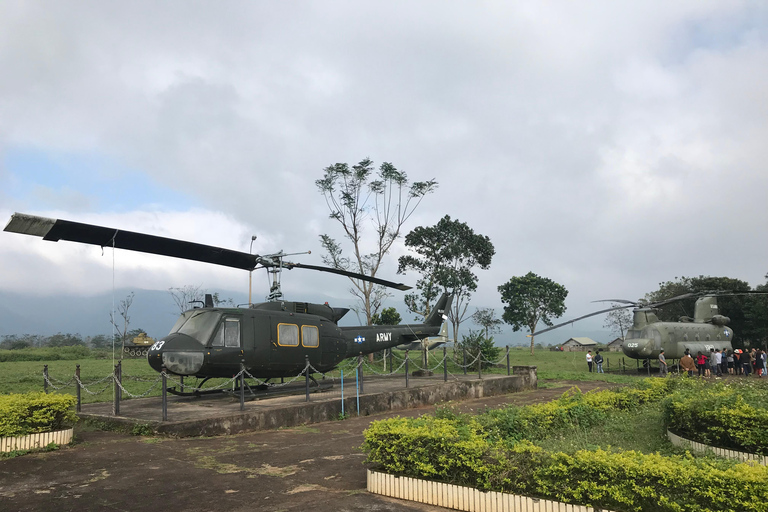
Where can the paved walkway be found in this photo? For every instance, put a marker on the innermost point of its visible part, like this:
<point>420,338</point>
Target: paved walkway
<point>317,468</point>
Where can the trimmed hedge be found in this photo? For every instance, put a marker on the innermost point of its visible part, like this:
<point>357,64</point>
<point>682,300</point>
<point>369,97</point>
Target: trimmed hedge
<point>32,413</point>
<point>493,451</point>
<point>731,414</point>
<point>448,450</point>
<point>572,409</point>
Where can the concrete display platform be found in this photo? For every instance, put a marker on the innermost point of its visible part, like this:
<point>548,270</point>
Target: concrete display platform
<point>221,414</point>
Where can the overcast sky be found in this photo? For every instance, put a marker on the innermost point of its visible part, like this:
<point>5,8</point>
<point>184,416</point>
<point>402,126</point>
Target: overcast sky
<point>606,145</point>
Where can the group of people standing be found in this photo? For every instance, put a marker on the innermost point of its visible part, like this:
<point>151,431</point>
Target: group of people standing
<point>597,360</point>
<point>725,362</point>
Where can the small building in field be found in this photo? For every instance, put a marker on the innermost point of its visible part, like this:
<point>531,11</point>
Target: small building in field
<point>579,345</point>
<point>615,345</point>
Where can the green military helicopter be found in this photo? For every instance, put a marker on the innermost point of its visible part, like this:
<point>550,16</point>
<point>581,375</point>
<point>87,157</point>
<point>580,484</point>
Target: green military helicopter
<point>648,335</point>
<point>271,339</point>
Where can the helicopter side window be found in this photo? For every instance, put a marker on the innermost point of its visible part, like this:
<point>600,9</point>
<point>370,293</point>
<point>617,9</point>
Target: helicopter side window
<point>228,334</point>
<point>310,336</point>
<point>288,335</point>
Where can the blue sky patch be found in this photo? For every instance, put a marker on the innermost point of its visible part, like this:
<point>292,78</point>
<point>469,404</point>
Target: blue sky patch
<point>44,180</point>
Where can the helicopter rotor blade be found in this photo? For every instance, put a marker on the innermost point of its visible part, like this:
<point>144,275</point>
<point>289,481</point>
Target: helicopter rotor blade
<point>54,230</point>
<point>353,275</point>
<point>583,317</point>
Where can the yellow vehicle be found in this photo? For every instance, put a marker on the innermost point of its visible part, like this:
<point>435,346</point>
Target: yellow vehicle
<point>138,346</point>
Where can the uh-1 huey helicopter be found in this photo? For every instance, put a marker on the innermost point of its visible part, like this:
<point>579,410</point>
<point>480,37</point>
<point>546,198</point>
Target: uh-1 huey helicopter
<point>271,339</point>
<point>648,335</point>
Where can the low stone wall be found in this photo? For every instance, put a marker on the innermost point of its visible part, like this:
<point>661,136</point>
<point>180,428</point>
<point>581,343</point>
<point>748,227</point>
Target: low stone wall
<point>720,452</point>
<point>35,441</point>
<point>458,497</point>
<point>524,377</point>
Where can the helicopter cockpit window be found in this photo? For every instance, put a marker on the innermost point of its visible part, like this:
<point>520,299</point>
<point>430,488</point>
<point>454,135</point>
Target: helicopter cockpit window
<point>310,336</point>
<point>288,335</point>
<point>228,334</point>
<point>199,325</point>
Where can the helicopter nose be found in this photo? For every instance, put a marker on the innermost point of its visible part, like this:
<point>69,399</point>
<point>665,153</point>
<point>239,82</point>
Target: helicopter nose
<point>179,353</point>
<point>638,348</point>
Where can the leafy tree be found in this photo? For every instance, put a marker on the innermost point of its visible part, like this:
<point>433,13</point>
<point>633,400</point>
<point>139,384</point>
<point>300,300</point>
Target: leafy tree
<point>532,299</point>
<point>357,198</point>
<point>101,341</point>
<point>618,320</point>
<point>446,255</point>
<point>14,342</point>
<point>388,316</point>
<point>474,342</point>
<point>65,340</point>
<point>756,316</point>
<point>486,317</point>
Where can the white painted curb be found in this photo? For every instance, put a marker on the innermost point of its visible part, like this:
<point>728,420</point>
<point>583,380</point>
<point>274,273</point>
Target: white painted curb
<point>33,441</point>
<point>458,497</point>
<point>720,452</point>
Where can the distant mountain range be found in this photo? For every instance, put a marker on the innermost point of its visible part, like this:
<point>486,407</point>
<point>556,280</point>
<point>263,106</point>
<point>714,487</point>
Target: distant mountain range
<point>155,312</point>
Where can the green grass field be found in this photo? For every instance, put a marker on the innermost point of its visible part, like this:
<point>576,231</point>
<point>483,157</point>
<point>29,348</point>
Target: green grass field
<point>138,377</point>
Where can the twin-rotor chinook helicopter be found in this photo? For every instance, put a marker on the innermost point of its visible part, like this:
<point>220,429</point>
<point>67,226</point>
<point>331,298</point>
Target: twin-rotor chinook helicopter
<point>271,339</point>
<point>648,335</point>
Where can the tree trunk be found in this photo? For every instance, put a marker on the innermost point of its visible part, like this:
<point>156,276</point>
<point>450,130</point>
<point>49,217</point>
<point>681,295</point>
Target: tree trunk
<point>532,338</point>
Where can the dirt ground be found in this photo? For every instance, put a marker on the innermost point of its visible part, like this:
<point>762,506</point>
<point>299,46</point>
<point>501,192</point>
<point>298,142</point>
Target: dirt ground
<point>318,467</point>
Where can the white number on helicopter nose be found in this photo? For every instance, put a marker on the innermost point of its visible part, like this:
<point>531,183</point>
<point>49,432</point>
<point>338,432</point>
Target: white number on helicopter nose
<point>157,346</point>
<point>632,345</point>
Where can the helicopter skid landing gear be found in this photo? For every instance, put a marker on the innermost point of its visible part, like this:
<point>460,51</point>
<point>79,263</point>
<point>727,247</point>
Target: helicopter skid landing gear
<point>196,392</point>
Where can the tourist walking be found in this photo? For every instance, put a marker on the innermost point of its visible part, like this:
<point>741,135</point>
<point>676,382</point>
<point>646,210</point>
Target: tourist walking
<point>662,364</point>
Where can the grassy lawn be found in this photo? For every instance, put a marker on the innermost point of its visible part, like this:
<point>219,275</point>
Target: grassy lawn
<point>138,377</point>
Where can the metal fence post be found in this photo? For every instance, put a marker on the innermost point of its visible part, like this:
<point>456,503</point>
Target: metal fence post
<point>164,393</point>
<point>360,370</point>
<point>242,387</point>
<point>479,364</point>
<point>508,360</point>
<point>116,402</point>
<point>391,366</point>
<point>406,368</point>
<point>182,383</point>
<point>77,378</point>
<point>45,378</point>
<point>464,359</point>
<point>306,375</point>
<point>445,363</point>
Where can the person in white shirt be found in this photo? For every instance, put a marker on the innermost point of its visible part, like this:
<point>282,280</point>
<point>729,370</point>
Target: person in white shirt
<point>589,360</point>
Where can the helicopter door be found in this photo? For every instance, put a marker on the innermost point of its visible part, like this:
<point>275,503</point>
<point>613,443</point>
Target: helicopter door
<point>226,346</point>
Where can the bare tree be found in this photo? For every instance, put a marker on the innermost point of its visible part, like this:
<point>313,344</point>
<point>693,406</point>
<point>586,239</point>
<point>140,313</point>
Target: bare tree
<point>357,200</point>
<point>121,324</point>
<point>184,295</point>
<point>618,320</point>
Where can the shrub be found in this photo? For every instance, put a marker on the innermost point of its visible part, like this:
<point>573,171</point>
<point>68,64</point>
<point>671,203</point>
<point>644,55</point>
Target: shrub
<point>32,413</point>
<point>731,415</point>
<point>458,452</point>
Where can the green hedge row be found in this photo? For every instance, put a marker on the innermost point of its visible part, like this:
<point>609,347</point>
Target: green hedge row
<point>464,453</point>
<point>731,414</point>
<point>572,409</point>
<point>53,354</point>
<point>32,413</point>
